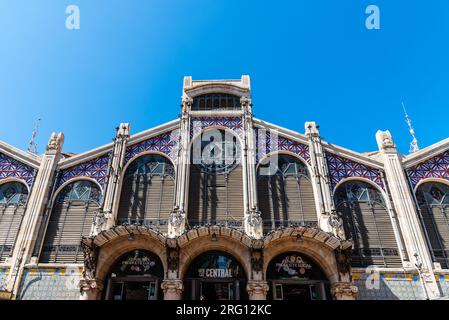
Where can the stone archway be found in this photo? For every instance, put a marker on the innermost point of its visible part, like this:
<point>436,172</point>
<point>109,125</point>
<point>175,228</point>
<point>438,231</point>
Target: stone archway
<point>330,253</point>
<point>103,250</point>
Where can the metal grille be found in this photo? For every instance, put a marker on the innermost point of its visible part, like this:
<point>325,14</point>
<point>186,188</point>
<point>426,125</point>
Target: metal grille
<point>433,200</point>
<point>147,193</point>
<point>216,101</point>
<point>367,222</point>
<point>286,197</point>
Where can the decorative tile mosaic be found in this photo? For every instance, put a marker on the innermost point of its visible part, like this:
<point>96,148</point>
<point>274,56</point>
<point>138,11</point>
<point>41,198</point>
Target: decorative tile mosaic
<point>436,167</point>
<point>341,168</point>
<point>391,287</point>
<point>3,277</point>
<point>443,282</point>
<point>166,143</point>
<point>96,169</point>
<point>50,284</point>
<point>11,168</point>
<point>199,123</point>
<point>267,142</point>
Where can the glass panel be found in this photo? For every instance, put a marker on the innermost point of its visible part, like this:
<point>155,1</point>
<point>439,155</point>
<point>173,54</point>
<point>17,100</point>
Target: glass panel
<point>13,193</point>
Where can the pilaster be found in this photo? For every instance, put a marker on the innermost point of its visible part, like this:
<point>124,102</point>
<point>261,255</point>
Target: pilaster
<point>177,220</point>
<point>107,219</point>
<point>36,205</point>
<point>327,219</point>
<point>253,221</point>
<point>402,197</point>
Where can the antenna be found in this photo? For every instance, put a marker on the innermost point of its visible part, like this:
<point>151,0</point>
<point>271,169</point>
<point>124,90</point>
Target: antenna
<point>32,146</point>
<point>414,143</point>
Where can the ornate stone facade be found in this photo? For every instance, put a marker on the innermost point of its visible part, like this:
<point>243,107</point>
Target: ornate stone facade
<point>322,250</point>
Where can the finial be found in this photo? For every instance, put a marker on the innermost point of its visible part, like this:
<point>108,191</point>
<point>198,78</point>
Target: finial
<point>414,143</point>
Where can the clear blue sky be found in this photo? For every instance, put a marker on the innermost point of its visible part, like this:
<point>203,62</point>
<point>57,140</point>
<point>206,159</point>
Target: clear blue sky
<point>308,60</point>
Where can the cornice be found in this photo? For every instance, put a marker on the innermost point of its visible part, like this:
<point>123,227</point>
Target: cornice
<point>426,153</point>
<point>27,158</point>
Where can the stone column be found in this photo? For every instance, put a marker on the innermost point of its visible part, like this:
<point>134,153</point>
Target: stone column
<point>177,219</point>
<point>173,289</point>
<point>253,221</point>
<point>91,289</point>
<point>36,205</point>
<point>327,220</point>
<point>257,289</point>
<point>402,198</point>
<point>115,172</point>
<point>344,291</point>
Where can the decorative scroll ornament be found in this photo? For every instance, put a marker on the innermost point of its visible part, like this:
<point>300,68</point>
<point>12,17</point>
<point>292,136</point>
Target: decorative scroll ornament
<point>344,291</point>
<point>90,260</point>
<point>177,217</point>
<point>55,142</point>
<point>174,286</point>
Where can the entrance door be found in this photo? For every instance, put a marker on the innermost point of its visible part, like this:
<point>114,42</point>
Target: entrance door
<point>301,292</point>
<point>218,290</point>
<point>134,290</point>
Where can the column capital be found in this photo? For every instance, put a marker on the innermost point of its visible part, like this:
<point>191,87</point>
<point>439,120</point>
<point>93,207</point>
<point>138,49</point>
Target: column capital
<point>123,131</point>
<point>257,289</point>
<point>344,291</point>
<point>90,285</point>
<point>172,287</point>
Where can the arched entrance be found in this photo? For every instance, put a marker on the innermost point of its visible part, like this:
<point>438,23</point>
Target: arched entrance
<point>295,276</point>
<point>215,275</point>
<point>136,275</point>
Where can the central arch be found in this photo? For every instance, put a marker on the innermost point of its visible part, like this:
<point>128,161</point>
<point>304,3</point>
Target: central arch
<point>215,275</point>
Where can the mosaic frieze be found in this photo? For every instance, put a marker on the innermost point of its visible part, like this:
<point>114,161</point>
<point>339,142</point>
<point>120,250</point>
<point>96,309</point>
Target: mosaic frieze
<point>166,143</point>
<point>200,123</point>
<point>12,168</point>
<point>436,167</point>
<point>341,168</point>
<point>96,169</point>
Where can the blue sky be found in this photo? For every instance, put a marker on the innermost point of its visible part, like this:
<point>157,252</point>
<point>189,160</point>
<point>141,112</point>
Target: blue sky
<point>308,61</point>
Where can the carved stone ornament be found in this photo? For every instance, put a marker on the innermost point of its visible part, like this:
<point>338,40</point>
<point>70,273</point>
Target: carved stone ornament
<point>257,287</point>
<point>172,286</point>
<point>385,140</point>
<point>90,254</point>
<point>55,141</point>
<point>344,291</point>
<point>177,218</point>
<point>99,221</point>
<point>173,258</point>
<point>254,219</point>
<point>186,103</point>
<point>245,101</point>
<point>336,223</point>
<point>257,260</point>
<point>90,284</point>
<point>343,258</point>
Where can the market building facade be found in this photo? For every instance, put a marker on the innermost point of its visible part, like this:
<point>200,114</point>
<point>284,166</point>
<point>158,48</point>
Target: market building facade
<point>220,205</point>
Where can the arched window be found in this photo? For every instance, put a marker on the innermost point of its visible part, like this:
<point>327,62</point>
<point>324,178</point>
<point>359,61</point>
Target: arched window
<point>13,197</point>
<point>285,193</point>
<point>70,219</point>
<point>367,222</point>
<point>216,181</point>
<point>433,201</point>
<point>216,101</point>
<point>147,192</point>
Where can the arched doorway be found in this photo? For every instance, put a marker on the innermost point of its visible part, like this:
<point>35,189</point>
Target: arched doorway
<point>215,275</point>
<point>295,276</point>
<point>136,275</point>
